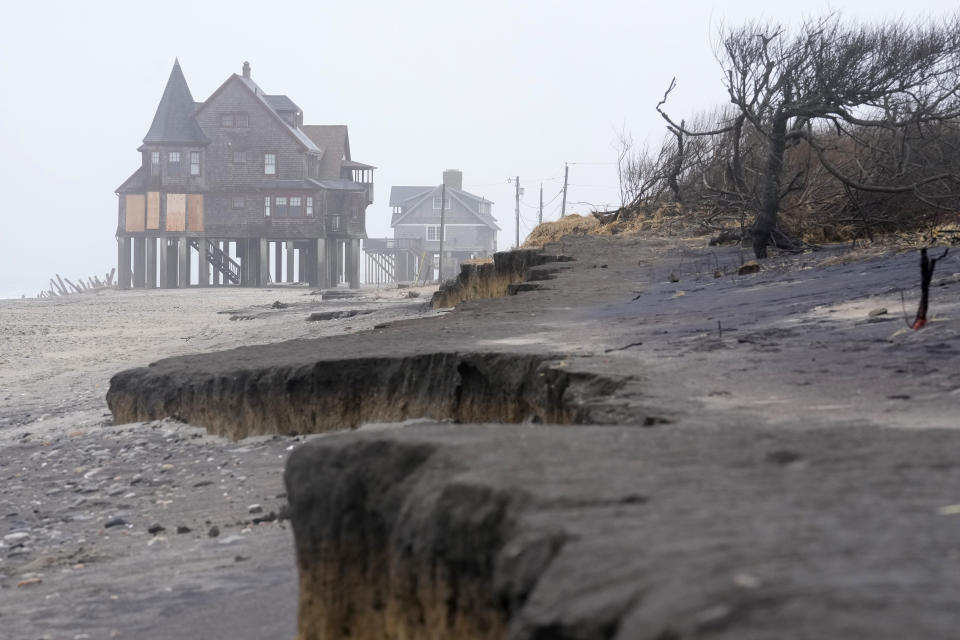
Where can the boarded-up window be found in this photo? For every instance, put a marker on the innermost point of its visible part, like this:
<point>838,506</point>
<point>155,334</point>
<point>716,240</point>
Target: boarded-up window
<point>153,210</point>
<point>195,212</point>
<point>135,212</point>
<point>176,212</point>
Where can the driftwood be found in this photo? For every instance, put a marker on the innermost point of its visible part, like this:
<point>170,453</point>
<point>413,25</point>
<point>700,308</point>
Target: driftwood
<point>64,286</point>
<point>60,290</point>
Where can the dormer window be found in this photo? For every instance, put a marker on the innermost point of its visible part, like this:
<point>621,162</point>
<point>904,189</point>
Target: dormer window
<point>309,205</point>
<point>155,163</point>
<point>194,163</point>
<point>269,164</point>
<point>436,203</point>
<point>174,159</point>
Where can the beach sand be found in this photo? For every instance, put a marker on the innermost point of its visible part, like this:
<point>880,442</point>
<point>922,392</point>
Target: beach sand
<point>148,530</point>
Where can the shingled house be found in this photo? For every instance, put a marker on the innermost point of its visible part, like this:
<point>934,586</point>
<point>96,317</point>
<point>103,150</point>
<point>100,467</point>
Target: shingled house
<point>469,230</point>
<point>237,190</point>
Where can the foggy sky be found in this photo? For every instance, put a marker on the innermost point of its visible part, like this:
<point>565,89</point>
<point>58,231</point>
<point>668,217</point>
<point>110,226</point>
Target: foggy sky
<point>493,88</point>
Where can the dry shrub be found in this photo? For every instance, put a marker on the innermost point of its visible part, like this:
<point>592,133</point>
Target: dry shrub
<point>571,225</point>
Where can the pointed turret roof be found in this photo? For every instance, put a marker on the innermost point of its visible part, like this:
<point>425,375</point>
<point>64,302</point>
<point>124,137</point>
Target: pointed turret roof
<point>174,121</point>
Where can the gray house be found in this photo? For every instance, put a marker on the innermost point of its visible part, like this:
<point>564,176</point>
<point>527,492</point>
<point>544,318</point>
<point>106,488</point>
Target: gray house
<point>237,190</point>
<point>469,230</point>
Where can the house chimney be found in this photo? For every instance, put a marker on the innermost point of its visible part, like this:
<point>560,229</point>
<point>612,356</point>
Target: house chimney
<point>246,70</point>
<point>453,178</point>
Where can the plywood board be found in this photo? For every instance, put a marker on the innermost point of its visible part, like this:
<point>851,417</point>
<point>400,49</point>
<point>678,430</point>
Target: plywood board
<point>176,212</point>
<point>134,212</point>
<point>195,212</point>
<point>153,210</point>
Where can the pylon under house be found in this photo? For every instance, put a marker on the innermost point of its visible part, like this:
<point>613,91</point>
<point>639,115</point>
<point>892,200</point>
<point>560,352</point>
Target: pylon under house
<point>236,190</point>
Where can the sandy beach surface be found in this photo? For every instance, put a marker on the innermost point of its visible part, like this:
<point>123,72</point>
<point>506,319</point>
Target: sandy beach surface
<point>148,530</point>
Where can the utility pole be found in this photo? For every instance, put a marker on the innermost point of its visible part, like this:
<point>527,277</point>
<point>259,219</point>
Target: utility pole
<point>540,217</point>
<point>519,191</point>
<point>443,208</point>
<point>566,173</point>
<point>517,245</point>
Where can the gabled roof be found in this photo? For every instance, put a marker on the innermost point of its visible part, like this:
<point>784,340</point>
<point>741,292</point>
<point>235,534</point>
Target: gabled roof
<point>301,137</point>
<point>400,195</point>
<point>409,198</point>
<point>282,103</point>
<point>173,122</point>
<point>474,206</point>
<point>334,140</point>
<point>261,97</point>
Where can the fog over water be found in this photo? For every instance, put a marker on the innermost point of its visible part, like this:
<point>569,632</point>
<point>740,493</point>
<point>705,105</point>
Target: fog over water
<point>493,88</point>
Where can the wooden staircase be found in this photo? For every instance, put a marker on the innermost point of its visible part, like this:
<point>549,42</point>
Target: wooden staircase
<point>220,261</point>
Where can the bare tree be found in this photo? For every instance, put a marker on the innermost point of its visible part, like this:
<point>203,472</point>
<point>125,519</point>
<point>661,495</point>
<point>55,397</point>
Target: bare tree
<point>643,174</point>
<point>841,91</point>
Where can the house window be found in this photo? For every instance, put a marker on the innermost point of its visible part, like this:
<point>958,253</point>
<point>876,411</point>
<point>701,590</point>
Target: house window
<point>226,120</point>
<point>270,164</point>
<point>334,223</point>
<point>436,203</point>
<point>241,120</point>
<point>155,163</point>
<point>296,207</point>
<point>174,158</point>
<point>281,204</point>
<point>239,157</point>
<point>194,163</point>
<point>433,232</point>
<point>309,205</point>
<point>485,207</point>
<point>239,203</point>
<point>266,206</point>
